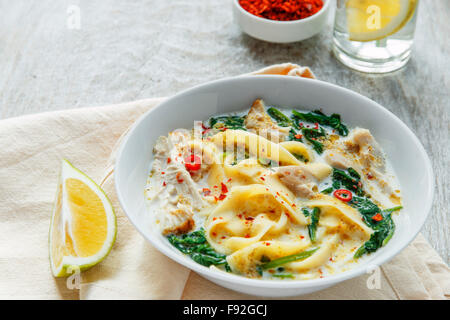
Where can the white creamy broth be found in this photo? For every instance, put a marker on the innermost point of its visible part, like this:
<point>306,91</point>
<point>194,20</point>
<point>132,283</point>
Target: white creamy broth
<point>273,193</point>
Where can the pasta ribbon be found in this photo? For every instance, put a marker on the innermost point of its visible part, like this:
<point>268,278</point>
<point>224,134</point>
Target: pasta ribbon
<point>244,261</point>
<point>319,258</point>
<point>298,148</point>
<point>331,206</point>
<point>256,145</point>
<point>249,214</point>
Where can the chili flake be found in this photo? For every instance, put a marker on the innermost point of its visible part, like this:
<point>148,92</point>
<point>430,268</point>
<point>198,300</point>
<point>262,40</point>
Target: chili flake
<point>377,217</point>
<point>222,196</point>
<point>224,188</point>
<point>179,180</point>
<point>282,10</point>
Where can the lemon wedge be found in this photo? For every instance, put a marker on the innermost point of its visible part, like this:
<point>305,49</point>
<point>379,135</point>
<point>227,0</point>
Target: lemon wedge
<point>83,225</point>
<point>369,20</point>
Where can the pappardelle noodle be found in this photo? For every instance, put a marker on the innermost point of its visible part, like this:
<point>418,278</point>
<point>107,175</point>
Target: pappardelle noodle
<point>273,193</point>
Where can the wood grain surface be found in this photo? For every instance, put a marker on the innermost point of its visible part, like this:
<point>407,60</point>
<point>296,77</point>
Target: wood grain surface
<point>138,49</point>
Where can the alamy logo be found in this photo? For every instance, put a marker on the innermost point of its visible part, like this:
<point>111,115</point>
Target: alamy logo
<point>73,17</point>
<point>74,280</point>
<point>374,280</point>
<point>374,20</point>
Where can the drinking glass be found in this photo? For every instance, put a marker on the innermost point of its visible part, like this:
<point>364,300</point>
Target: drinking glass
<point>374,36</point>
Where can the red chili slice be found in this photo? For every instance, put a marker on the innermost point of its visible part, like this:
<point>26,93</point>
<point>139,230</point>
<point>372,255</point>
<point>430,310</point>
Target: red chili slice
<point>343,195</point>
<point>192,163</point>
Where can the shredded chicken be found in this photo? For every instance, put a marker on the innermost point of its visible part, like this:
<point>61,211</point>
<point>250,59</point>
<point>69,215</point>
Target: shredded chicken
<point>178,221</point>
<point>336,159</point>
<point>259,121</point>
<point>175,190</point>
<point>298,179</point>
<point>369,150</point>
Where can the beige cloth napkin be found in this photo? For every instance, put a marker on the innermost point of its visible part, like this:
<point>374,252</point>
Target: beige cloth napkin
<point>31,151</point>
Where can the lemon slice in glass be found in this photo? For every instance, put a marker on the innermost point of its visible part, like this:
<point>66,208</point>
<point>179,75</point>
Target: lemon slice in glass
<point>83,225</point>
<point>370,20</point>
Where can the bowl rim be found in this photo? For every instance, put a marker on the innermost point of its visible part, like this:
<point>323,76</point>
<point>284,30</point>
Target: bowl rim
<point>322,11</point>
<point>276,284</point>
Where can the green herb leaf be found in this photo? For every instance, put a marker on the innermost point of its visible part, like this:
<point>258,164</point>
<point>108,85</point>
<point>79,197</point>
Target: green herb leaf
<point>384,229</point>
<point>367,209</point>
<point>279,117</point>
<point>197,247</point>
<point>284,276</point>
<point>229,122</point>
<point>281,261</point>
<point>327,190</point>
<point>392,209</point>
<point>311,135</point>
<point>292,134</point>
<point>350,180</point>
<point>319,117</point>
<point>312,227</point>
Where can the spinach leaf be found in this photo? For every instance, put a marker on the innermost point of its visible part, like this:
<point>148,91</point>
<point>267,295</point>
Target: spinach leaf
<point>384,229</point>
<point>367,209</point>
<point>312,228</point>
<point>283,275</point>
<point>311,136</point>
<point>293,257</point>
<point>229,122</point>
<point>350,180</point>
<point>327,190</point>
<point>294,136</point>
<point>317,116</point>
<point>392,209</point>
<point>279,117</point>
<point>383,233</point>
<point>197,247</point>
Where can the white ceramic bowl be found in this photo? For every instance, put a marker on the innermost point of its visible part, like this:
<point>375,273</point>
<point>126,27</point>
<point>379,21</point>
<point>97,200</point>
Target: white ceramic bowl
<point>281,31</point>
<point>408,157</point>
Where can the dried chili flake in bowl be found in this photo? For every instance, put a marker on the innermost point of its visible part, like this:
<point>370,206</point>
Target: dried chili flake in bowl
<point>281,21</point>
<point>282,10</point>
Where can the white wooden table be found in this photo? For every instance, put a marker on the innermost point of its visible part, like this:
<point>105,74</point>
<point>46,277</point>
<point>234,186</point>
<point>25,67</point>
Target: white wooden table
<point>137,49</point>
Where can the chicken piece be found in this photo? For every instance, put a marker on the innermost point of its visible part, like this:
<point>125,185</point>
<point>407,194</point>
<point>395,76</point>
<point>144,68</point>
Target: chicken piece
<point>368,149</point>
<point>173,190</point>
<point>259,121</point>
<point>336,159</point>
<point>302,179</point>
<point>297,180</point>
<point>177,221</point>
<point>177,177</point>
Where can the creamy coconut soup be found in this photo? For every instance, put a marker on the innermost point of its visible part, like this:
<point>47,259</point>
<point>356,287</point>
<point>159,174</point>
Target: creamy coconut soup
<point>273,193</point>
